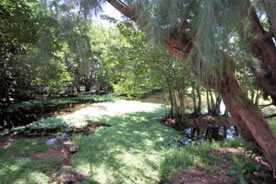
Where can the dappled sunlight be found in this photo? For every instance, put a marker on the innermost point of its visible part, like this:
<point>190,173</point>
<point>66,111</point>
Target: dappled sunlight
<point>94,111</point>
<point>131,150</point>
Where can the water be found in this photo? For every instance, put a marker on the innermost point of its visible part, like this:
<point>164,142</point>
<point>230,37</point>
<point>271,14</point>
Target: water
<point>199,135</point>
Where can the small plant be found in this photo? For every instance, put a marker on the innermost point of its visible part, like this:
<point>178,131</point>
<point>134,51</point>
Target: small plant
<point>241,169</point>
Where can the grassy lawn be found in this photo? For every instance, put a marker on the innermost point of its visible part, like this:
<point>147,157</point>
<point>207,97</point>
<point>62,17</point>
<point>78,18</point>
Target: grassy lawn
<point>131,150</point>
<point>17,166</point>
<point>136,148</point>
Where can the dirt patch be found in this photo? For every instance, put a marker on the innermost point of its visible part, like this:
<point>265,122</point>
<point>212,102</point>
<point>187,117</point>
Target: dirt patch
<point>59,150</point>
<point>200,176</point>
<point>63,151</point>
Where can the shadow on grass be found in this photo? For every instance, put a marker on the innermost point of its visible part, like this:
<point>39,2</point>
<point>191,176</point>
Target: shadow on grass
<point>17,166</point>
<point>130,151</point>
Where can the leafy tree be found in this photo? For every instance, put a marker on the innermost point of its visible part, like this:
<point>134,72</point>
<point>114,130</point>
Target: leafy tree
<point>18,35</point>
<point>198,32</point>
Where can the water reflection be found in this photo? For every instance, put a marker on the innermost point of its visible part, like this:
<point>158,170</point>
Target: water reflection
<point>198,135</point>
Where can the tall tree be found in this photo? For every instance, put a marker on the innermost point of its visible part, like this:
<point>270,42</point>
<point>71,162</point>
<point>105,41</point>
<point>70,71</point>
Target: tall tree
<point>215,66</point>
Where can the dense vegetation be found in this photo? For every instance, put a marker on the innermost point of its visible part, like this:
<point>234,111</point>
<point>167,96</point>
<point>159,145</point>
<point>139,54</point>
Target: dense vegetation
<point>199,55</point>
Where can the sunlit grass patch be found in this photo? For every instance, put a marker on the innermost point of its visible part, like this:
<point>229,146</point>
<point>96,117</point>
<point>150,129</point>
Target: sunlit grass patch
<point>130,151</point>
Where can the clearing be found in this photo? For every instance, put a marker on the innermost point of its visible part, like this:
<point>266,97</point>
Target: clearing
<point>132,147</point>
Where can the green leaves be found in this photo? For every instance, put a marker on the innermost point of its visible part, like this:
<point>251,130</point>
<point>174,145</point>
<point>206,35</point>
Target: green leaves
<point>241,169</point>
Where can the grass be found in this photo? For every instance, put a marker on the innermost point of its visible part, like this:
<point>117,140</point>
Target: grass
<point>130,151</point>
<point>192,156</point>
<point>18,167</point>
<point>272,124</point>
<point>135,149</point>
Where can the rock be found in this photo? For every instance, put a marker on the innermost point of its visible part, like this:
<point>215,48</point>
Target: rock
<point>65,136</point>
<point>71,177</point>
<point>51,141</point>
<point>73,149</point>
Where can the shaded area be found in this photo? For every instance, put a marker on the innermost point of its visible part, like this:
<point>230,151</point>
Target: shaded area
<point>17,166</point>
<point>21,114</point>
<point>204,174</point>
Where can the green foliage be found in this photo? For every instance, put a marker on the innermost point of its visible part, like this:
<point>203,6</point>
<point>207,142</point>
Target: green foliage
<point>234,143</point>
<point>272,124</point>
<point>127,62</point>
<point>241,169</point>
<point>18,35</point>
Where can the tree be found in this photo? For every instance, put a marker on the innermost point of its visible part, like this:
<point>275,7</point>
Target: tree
<point>17,36</point>
<point>185,38</point>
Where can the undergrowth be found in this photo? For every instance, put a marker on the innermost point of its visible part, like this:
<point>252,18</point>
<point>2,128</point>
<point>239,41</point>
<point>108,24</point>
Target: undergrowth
<point>191,156</point>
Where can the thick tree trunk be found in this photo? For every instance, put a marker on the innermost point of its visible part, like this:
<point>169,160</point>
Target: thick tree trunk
<point>261,46</point>
<point>247,116</point>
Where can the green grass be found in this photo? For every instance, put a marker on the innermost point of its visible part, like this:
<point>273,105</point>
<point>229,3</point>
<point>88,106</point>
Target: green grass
<point>18,167</point>
<point>130,151</point>
<point>272,124</point>
<point>191,156</point>
<point>24,147</point>
<point>135,149</point>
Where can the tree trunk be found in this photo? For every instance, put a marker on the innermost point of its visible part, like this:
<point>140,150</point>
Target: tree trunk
<point>199,99</point>
<point>194,100</point>
<point>247,116</point>
<point>208,101</point>
<point>262,47</point>
<point>171,99</point>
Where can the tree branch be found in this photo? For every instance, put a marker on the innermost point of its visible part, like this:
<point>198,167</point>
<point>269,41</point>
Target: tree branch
<point>270,116</point>
<point>124,9</point>
<point>265,105</point>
